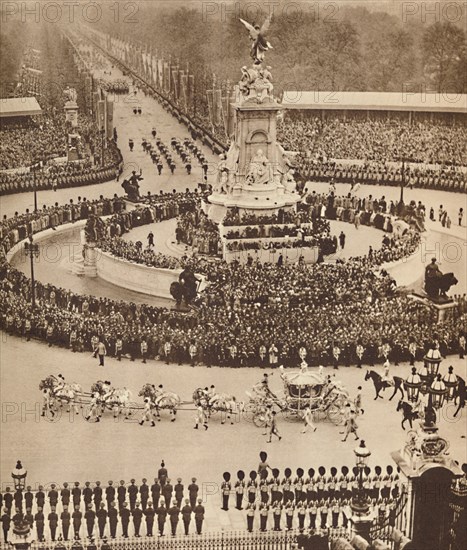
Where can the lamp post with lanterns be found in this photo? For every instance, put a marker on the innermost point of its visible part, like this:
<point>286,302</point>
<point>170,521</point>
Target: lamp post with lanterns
<point>31,249</point>
<point>413,385</point>
<point>450,381</point>
<point>428,382</point>
<point>19,476</point>
<point>360,504</point>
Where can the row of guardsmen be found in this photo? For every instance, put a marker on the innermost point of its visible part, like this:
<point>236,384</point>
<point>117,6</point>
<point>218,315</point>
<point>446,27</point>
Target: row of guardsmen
<point>73,521</point>
<point>264,489</point>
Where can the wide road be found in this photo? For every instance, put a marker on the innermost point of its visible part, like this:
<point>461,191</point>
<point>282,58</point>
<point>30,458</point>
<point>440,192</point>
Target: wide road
<point>72,449</point>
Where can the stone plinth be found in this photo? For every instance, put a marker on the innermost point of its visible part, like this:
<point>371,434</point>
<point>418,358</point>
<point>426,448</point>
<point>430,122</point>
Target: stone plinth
<point>90,259</point>
<point>441,308</point>
<point>361,529</point>
<point>255,173</point>
<point>71,113</point>
<point>255,176</point>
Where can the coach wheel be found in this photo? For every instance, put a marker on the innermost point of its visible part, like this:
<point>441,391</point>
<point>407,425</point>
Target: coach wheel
<point>291,415</point>
<point>335,415</point>
<point>249,412</point>
<point>259,419</point>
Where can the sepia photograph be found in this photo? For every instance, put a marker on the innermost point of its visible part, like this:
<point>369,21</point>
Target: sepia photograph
<point>233,275</point>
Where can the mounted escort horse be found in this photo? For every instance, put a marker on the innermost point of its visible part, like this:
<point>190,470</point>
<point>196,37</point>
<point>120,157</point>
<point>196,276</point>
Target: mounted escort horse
<point>410,412</point>
<point>381,384</point>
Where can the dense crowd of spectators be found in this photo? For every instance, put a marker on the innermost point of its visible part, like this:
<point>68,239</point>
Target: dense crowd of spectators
<point>195,229</point>
<point>58,176</point>
<point>245,307</point>
<point>27,142</point>
<point>379,141</point>
<point>29,145</point>
<point>447,178</point>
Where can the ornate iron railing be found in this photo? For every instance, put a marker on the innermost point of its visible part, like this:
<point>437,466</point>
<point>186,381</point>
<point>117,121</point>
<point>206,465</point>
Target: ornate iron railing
<point>396,520</point>
<point>224,540</point>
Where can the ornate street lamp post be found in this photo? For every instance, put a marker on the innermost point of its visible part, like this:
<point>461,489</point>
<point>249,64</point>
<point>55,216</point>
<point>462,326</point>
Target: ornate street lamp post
<point>437,393</point>
<point>31,249</point>
<point>360,503</point>
<point>400,206</point>
<point>450,381</point>
<point>412,384</point>
<point>19,476</point>
<point>432,361</point>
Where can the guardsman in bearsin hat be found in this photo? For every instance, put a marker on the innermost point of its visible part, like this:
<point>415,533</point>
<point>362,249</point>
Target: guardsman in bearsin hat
<point>226,487</point>
<point>251,487</point>
<point>240,489</point>
<point>277,513</point>
<point>298,486</point>
<point>264,487</point>
<point>250,516</point>
<point>310,486</point>
<point>276,493</point>
<point>287,486</point>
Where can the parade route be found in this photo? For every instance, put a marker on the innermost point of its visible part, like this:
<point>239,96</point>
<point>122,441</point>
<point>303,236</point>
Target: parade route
<point>107,450</point>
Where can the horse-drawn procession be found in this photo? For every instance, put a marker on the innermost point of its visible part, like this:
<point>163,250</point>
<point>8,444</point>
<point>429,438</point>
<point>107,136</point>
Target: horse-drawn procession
<point>306,396</point>
<point>302,391</point>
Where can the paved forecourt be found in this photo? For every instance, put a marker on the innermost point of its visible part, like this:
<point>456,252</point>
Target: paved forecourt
<point>71,449</point>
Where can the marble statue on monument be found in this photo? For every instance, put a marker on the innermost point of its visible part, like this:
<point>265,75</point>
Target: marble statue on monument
<point>71,107</point>
<point>255,174</point>
<point>256,84</point>
<point>71,95</point>
<point>259,172</point>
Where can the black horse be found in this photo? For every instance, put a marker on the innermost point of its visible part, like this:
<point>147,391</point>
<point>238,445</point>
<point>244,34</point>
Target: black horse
<point>407,413</point>
<point>459,394</point>
<point>381,384</point>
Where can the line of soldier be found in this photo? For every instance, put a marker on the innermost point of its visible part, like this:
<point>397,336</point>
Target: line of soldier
<point>70,522</point>
<point>325,499</point>
<point>263,489</point>
<point>167,497</point>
